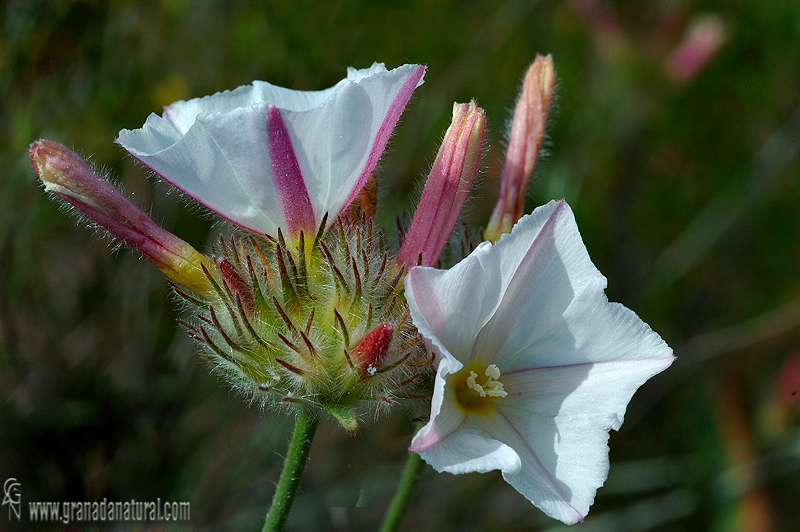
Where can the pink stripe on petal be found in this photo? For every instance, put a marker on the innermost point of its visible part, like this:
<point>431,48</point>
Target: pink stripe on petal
<point>385,131</point>
<point>296,204</point>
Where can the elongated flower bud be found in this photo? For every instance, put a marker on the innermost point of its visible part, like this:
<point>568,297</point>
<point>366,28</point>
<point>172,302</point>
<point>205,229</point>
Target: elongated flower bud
<point>527,130</point>
<point>446,189</point>
<point>65,174</point>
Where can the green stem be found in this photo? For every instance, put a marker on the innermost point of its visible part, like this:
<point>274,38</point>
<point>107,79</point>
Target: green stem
<point>404,494</point>
<point>296,457</point>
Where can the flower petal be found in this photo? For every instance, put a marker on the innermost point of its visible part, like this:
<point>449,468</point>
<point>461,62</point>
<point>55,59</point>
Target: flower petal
<point>545,266</point>
<point>182,114</point>
<point>222,161</point>
<point>561,465</point>
<point>339,143</point>
<point>449,307</point>
<point>505,295</point>
<point>598,390</point>
<point>215,148</point>
<point>442,422</point>
<point>591,330</point>
<point>297,210</point>
<point>558,421</point>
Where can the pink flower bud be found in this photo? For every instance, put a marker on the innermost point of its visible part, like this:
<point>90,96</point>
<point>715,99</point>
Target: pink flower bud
<point>527,130</point>
<point>65,174</point>
<point>446,190</point>
<point>370,351</point>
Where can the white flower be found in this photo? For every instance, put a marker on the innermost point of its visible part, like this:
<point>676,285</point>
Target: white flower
<point>267,157</point>
<point>535,365</point>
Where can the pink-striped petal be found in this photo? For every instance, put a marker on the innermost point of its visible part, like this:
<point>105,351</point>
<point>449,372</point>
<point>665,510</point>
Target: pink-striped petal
<point>216,149</point>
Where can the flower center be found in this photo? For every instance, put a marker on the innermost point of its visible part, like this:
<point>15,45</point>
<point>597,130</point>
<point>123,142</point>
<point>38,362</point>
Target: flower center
<point>476,390</point>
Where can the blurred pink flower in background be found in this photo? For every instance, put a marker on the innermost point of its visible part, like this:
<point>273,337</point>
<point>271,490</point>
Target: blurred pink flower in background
<point>704,37</point>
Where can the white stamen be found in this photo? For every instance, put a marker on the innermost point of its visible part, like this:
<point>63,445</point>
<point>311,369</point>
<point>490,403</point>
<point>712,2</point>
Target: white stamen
<point>493,372</point>
<point>495,389</point>
<point>492,387</point>
<point>474,385</point>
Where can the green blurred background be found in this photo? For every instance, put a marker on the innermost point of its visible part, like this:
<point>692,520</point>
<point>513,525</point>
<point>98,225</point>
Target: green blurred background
<point>683,180</point>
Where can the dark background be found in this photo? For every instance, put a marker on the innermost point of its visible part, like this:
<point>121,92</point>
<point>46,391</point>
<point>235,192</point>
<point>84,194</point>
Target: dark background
<point>685,186</point>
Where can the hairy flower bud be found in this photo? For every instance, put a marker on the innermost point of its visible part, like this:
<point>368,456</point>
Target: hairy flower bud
<point>67,175</point>
<point>446,189</point>
<point>527,130</point>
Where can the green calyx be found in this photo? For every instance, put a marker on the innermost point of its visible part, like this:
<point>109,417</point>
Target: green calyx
<point>318,322</point>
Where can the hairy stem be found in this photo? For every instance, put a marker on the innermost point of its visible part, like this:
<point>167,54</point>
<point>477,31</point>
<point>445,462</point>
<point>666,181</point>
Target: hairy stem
<point>296,458</point>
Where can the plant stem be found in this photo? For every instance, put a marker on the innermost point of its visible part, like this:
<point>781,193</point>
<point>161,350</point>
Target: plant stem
<point>405,492</point>
<point>296,458</point>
